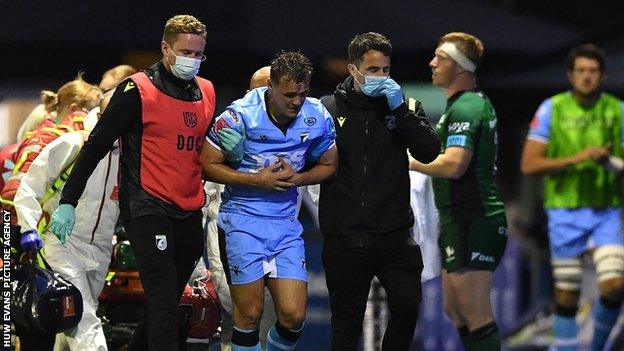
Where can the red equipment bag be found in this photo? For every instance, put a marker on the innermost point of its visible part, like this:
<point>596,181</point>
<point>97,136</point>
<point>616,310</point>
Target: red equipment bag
<point>203,299</point>
<point>122,286</point>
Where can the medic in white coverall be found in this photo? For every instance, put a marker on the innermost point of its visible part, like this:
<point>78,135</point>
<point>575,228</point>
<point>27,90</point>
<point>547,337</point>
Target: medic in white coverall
<point>85,256</point>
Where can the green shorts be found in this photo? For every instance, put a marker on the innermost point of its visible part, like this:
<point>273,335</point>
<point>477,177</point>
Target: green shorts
<point>477,244</point>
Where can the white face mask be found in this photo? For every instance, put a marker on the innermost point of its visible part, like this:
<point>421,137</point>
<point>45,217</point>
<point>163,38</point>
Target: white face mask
<point>185,68</point>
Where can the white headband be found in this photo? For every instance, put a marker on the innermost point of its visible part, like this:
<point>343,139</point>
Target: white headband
<point>455,54</point>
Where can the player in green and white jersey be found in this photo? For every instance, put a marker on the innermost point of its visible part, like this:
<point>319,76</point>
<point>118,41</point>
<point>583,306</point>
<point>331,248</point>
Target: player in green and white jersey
<point>473,229</point>
<point>571,134</point>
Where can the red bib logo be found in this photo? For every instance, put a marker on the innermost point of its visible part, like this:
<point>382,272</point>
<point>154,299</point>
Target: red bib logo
<point>190,119</point>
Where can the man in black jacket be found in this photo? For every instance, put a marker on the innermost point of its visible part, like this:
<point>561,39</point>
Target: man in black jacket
<point>364,211</point>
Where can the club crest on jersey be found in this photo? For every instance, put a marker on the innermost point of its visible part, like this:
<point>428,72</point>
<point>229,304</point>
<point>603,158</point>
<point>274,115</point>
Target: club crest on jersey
<point>390,122</point>
<point>304,136</point>
<point>161,242</point>
<point>310,121</point>
<point>190,119</point>
<point>234,116</point>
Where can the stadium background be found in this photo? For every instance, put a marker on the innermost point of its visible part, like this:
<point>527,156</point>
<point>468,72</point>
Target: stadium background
<point>45,44</point>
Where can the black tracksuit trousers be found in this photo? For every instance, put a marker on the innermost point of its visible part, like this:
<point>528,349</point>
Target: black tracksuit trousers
<point>166,252</point>
<point>349,270</point>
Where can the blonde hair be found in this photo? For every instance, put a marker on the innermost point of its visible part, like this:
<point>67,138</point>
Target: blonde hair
<point>76,91</point>
<point>118,73</point>
<point>467,44</point>
<point>183,24</point>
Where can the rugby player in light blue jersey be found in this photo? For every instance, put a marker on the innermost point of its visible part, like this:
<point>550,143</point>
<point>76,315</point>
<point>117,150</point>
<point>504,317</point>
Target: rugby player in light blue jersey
<point>289,141</point>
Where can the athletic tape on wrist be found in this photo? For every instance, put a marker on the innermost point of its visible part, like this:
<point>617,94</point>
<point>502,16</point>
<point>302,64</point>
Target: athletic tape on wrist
<point>461,59</point>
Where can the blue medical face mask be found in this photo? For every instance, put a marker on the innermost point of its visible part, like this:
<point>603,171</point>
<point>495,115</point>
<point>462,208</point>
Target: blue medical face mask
<point>185,68</point>
<point>371,85</point>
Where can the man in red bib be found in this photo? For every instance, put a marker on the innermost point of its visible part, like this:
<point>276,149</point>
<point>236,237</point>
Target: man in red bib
<point>161,116</point>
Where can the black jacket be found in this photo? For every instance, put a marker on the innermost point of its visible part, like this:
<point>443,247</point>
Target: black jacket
<point>122,119</point>
<point>370,194</point>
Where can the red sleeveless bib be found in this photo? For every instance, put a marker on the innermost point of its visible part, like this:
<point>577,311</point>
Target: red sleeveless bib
<point>173,135</point>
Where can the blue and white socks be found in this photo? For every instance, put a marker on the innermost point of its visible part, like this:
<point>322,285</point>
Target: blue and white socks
<point>282,339</point>
<point>566,331</point>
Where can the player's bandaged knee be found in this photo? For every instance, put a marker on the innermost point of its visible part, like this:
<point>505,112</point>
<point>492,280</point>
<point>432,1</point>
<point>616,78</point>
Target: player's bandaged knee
<point>568,273</point>
<point>609,262</point>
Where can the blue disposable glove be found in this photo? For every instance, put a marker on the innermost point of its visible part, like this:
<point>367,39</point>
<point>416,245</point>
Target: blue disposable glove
<point>392,91</point>
<point>233,142</point>
<point>31,241</point>
<point>62,221</point>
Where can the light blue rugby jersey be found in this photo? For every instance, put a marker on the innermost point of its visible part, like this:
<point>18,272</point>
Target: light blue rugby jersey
<point>308,137</point>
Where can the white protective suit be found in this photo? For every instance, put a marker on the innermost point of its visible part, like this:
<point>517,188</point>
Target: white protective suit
<point>85,257</point>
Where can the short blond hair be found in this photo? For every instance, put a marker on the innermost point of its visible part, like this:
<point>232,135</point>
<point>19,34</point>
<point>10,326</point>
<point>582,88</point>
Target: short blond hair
<point>183,24</point>
<point>77,91</point>
<point>466,43</point>
<point>118,73</point>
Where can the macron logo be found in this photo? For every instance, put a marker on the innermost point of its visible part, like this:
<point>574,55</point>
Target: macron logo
<point>481,257</point>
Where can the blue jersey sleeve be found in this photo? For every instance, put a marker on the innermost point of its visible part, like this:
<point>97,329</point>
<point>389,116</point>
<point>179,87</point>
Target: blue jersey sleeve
<point>230,118</point>
<point>540,125</point>
<point>324,142</point>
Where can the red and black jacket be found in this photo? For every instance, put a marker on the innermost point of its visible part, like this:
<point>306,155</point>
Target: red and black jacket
<point>161,122</point>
